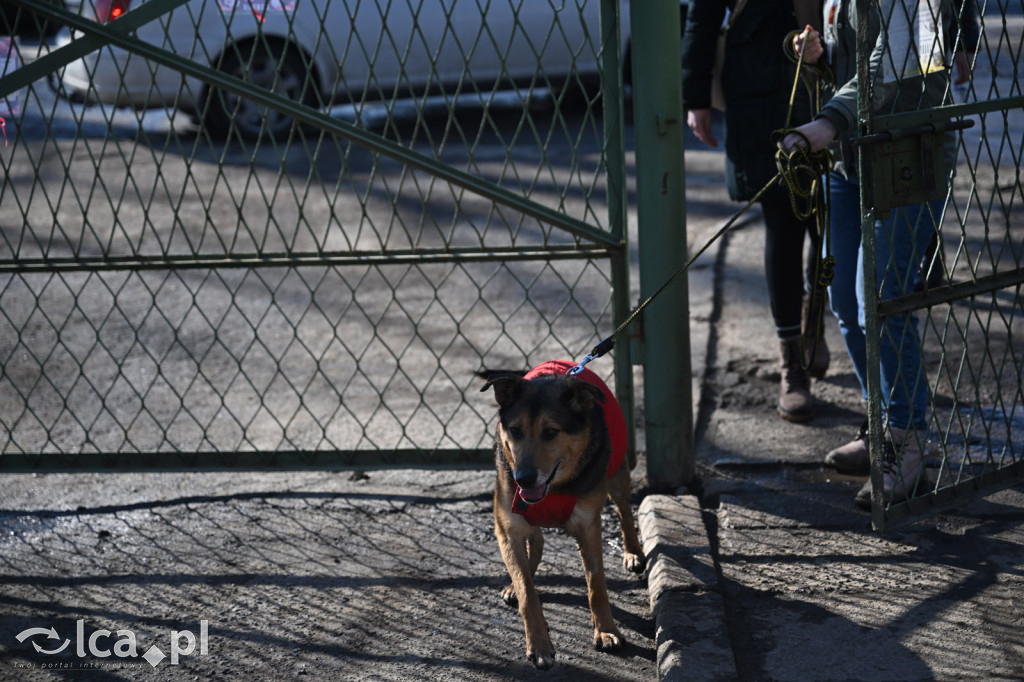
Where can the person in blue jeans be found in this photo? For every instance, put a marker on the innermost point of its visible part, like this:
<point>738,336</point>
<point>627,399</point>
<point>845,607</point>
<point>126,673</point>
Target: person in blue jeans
<point>900,243</point>
<point>901,240</point>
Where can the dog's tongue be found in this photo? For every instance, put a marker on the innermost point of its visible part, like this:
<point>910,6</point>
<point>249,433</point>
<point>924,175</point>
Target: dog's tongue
<point>533,495</point>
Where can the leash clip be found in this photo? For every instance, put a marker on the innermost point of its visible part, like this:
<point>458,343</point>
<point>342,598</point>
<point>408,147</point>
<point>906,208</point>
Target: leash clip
<point>572,371</point>
<point>598,350</point>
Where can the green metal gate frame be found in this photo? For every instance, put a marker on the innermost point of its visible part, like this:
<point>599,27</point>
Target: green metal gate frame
<point>957,477</point>
<point>593,243</point>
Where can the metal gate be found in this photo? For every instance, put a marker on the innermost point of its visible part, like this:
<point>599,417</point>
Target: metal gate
<point>286,233</point>
<point>968,302</point>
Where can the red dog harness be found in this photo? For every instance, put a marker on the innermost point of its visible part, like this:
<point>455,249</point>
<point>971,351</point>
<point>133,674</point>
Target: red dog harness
<point>555,509</point>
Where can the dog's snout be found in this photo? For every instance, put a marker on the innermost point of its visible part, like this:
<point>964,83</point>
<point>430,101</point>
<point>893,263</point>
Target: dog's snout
<point>526,479</point>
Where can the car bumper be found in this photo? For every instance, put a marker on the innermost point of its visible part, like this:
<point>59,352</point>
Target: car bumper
<point>115,76</point>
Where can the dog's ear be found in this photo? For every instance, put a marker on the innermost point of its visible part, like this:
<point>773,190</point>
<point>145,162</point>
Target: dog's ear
<point>488,374</point>
<point>580,395</point>
<point>506,388</point>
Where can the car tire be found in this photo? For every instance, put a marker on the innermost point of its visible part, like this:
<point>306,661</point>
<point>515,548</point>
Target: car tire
<point>278,68</point>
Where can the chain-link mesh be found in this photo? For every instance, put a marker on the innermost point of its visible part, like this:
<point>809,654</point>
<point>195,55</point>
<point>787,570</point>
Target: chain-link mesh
<point>955,299</point>
<point>209,278</point>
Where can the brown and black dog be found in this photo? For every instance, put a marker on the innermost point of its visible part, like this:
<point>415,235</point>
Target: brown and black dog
<point>559,447</point>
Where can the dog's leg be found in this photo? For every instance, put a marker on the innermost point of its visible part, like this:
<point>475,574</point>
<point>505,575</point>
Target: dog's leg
<point>520,564</point>
<point>618,490</point>
<point>534,550</point>
<point>588,537</point>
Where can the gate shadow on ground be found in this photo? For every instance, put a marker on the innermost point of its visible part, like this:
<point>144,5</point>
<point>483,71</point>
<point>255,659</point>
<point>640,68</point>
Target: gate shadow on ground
<point>798,564</point>
<point>370,584</point>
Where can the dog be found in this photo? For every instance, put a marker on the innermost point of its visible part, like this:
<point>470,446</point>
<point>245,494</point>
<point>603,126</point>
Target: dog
<point>560,446</point>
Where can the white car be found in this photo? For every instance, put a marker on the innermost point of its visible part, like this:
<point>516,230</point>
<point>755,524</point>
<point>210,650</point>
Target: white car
<point>325,52</point>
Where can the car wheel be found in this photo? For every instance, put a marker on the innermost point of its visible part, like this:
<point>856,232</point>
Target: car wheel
<point>276,68</point>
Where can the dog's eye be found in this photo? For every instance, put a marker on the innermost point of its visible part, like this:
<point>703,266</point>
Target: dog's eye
<point>515,433</point>
<point>549,434</point>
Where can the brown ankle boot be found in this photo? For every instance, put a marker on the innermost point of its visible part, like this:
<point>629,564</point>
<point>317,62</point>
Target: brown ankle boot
<point>795,401</point>
<point>815,304</point>
<point>852,458</point>
<point>902,469</point>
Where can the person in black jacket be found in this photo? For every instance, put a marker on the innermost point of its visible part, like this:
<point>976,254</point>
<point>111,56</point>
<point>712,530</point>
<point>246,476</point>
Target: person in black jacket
<point>757,79</point>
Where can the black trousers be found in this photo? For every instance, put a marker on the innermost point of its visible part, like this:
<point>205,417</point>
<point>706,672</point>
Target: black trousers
<point>786,269</point>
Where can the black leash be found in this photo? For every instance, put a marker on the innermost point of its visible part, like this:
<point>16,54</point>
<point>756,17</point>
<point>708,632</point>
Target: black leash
<point>800,171</point>
<point>607,344</point>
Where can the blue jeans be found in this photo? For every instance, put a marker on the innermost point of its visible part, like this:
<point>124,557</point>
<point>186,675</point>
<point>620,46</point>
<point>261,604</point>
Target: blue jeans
<point>900,243</point>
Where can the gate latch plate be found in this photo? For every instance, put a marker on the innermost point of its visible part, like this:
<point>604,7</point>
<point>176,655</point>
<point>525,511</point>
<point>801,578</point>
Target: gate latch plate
<point>908,164</point>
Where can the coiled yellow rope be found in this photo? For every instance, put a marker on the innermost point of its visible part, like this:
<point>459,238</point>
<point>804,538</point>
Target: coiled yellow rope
<point>805,174</point>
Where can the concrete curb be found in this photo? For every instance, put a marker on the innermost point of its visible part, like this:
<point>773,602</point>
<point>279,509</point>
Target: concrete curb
<point>691,635</point>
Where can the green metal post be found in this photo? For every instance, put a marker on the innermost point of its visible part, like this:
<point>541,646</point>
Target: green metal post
<point>618,198</point>
<point>661,214</point>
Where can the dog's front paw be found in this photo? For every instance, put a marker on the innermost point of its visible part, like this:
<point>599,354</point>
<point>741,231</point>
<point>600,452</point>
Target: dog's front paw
<point>607,641</point>
<point>508,595</point>
<point>634,563</point>
<point>542,656</point>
